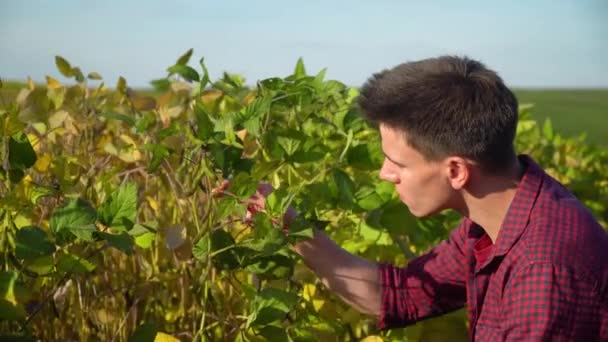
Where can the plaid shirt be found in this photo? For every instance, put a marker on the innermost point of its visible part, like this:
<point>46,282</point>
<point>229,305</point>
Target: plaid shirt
<point>545,279</point>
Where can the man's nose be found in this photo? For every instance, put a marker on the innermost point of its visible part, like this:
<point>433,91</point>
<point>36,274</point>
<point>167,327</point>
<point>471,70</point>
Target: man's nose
<point>387,174</point>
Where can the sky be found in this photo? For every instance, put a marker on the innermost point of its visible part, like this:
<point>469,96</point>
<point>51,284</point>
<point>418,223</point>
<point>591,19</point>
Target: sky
<point>536,44</point>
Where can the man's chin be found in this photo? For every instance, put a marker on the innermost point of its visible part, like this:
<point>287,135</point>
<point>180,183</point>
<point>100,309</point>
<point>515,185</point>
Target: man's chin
<point>423,214</point>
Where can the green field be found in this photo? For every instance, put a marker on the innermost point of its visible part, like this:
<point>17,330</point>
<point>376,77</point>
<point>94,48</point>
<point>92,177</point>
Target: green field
<point>572,111</point>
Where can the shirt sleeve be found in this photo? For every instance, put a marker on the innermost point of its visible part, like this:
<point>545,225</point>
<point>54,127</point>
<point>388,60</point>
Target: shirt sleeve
<point>544,302</point>
<point>430,285</point>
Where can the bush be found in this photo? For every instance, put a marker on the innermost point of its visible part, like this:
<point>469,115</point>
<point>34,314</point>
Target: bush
<point>111,227</point>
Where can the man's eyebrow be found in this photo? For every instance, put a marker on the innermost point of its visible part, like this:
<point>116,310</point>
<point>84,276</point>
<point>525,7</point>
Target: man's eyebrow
<point>392,160</point>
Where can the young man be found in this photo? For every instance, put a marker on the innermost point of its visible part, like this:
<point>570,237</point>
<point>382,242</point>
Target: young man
<point>528,260</point>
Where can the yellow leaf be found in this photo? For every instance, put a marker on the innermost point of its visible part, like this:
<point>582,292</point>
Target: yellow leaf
<point>22,96</point>
<point>166,114</point>
<point>104,317</point>
<point>162,337</point>
<point>209,96</point>
<point>52,83</point>
<point>241,134</point>
<point>22,221</point>
<point>180,87</point>
<point>127,139</point>
<point>42,163</point>
<point>58,118</point>
<point>249,98</point>
<point>35,141</point>
<point>308,291</point>
<point>318,304</point>
<point>143,102</point>
<point>130,155</point>
<point>372,338</point>
<point>103,141</point>
<point>110,149</point>
<point>40,127</point>
<point>153,204</point>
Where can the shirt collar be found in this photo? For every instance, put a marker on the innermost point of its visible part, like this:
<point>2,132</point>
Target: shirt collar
<point>518,214</point>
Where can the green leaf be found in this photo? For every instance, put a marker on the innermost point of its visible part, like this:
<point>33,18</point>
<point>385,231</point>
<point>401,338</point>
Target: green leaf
<point>159,153</point>
<point>278,202</point>
<point>144,333</point>
<point>31,243</point>
<point>123,241</point>
<point>21,154</point>
<point>64,67</point>
<point>272,267</point>
<point>145,123</point>
<point>78,74</point>
<point>78,217</point>
<point>243,185</point>
<point>161,84</point>
<point>266,239</point>
<point>271,305</point>
<point>119,210</point>
<point>275,334</point>
<point>145,240</point>
<point>346,188</point>
<point>300,70</point>
<point>121,85</point>
<point>10,311</point>
<point>301,229</point>
<point>205,79</point>
<point>202,248</point>
<point>204,125</point>
<point>224,253</point>
<point>94,76</point>
<point>394,217</point>
<point>185,71</point>
<point>183,59</point>
<point>41,265</point>
<point>72,263</point>
<point>365,156</point>
<point>290,141</point>
<point>15,175</point>
<point>120,117</point>
<point>16,338</point>
<point>368,199</point>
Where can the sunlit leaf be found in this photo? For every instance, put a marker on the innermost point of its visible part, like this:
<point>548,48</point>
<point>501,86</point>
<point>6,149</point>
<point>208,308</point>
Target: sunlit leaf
<point>77,217</point>
<point>300,70</point>
<point>119,210</point>
<point>185,71</point>
<point>183,59</point>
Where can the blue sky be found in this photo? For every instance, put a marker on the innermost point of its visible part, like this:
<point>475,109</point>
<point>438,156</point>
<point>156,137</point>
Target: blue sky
<point>530,43</point>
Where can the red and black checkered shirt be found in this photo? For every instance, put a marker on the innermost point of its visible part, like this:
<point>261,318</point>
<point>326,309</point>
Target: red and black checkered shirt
<point>546,278</point>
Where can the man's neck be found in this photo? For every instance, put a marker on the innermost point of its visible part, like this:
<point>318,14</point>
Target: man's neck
<point>488,202</point>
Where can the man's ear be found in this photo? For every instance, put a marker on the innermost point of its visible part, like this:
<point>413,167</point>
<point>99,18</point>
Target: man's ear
<point>458,172</point>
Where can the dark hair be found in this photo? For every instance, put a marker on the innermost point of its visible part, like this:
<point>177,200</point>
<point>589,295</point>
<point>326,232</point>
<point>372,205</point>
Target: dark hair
<point>446,106</point>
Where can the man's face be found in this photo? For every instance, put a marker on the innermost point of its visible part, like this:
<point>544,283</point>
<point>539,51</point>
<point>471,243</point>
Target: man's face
<point>421,184</point>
